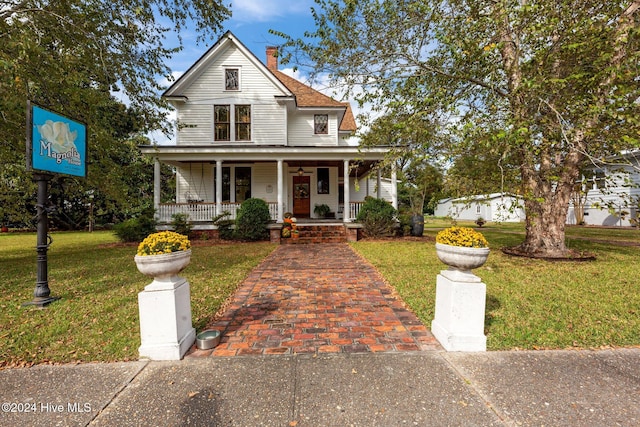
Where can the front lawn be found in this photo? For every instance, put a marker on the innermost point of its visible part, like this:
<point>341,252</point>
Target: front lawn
<point>532,304</point>
<point>97,317</point>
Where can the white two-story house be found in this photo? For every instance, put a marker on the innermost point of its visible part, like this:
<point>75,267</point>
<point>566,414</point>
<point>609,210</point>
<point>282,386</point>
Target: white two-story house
<point>245,129</point>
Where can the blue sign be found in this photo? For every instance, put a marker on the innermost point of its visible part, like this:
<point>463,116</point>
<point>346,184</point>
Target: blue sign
<point>58,144</point>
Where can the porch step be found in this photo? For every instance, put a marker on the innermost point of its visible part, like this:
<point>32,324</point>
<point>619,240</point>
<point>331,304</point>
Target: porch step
<point>317,234</point>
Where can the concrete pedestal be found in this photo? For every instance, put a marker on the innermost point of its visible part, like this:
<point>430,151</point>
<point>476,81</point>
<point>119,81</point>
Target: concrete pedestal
<point>458,323</point>
<point>166,330</point>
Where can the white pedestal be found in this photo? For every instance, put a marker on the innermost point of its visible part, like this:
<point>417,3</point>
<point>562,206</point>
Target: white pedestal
<point>166,330</point>
<point>458,323</point>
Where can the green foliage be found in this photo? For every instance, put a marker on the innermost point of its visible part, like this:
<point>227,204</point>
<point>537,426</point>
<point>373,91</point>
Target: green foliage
<point>224,224</point>
<point>519,94</point>
<point>180,224</point>
<point>70,56</point>
<point>252,219</point>
<point>136,229</point>
<point>321,210</point>
<point>404,228</point>
<point>377,217</point>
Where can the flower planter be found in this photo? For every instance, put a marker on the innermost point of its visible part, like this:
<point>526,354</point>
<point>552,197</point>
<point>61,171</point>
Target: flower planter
<point>458,322</point>
<point>166,330</point>
<point>164,267</point>
<point>462,259</point>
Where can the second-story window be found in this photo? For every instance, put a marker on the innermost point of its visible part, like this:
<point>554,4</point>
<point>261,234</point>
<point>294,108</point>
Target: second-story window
<point>222,119</point>
<point>321,124</point>
<point>232,122</point>
<point>231,79</point>
<point>243,123</point>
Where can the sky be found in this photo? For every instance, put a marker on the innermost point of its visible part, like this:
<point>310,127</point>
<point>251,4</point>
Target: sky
<point>250,22</point>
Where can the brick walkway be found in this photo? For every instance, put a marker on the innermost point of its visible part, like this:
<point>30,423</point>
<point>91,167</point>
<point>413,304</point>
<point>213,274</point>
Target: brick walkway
<point>316,299</point>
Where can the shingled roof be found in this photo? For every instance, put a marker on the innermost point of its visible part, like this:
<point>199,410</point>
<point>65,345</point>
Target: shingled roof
<point>306,96</point>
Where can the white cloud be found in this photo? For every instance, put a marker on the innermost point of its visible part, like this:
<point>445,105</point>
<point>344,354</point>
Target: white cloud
<point>267,10</point>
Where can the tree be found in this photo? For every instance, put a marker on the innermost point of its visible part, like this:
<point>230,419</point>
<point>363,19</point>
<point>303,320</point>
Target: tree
<point>71,56</point>
<point>552,82</point>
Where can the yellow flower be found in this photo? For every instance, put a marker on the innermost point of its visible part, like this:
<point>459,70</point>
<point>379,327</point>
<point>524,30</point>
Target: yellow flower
<point>163,242</point>
<point>461,236</point>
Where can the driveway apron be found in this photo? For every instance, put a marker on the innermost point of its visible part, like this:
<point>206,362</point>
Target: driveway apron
<point>321,298</point>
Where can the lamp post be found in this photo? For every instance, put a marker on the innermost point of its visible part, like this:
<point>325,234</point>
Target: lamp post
<point>90,194</point>
<point>42,293</point>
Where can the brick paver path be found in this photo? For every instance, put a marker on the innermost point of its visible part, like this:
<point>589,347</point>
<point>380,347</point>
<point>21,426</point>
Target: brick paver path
<point>317,299</point>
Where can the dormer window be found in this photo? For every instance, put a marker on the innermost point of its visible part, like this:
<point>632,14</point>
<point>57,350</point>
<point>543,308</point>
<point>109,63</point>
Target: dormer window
<point>321,124</point>
<point>231,79</point>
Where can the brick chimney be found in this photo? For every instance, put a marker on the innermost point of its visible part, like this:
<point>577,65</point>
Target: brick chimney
<point>272,58</point>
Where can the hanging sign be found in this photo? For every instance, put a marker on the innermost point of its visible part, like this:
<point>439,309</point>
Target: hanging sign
<point>56,143</point>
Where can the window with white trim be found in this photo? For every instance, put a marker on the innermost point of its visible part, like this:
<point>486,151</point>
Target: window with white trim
<point>321,124</point>
<point>232,122</point>
<point>222,122</point>
<point>231,79</point>
<point>243,122</point>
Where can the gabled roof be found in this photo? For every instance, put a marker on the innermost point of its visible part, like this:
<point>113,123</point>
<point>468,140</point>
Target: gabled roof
<point>177,88</point>
<point>306,96</point>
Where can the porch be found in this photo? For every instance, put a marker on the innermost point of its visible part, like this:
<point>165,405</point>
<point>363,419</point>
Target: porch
<point>201,213</point>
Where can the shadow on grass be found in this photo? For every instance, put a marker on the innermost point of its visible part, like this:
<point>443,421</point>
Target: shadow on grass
<point>492,305</point>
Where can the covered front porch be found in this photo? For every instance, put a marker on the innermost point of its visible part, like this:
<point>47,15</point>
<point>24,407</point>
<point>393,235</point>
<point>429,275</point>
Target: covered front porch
<point>201,213</point>
<point>213,180</point>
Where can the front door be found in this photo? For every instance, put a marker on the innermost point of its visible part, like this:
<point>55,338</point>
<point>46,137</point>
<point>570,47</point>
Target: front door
<point>301,200</point>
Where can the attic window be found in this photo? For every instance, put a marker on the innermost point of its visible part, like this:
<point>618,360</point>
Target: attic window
<point>231,79</point>
<point>321,124</point>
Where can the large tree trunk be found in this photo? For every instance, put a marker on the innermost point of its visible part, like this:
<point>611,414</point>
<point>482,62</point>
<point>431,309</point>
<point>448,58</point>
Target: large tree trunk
<point>545,233</point>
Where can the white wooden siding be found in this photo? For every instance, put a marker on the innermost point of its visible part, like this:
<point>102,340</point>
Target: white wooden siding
<point>268,124</point>
<point>330,199</point>
<point>253,82</point>
<point>301,130</point>
<point>194,182</point>
<point>268,118</point>
<point>369,187</point>
<point>264,181</point>
<point>196,121</point>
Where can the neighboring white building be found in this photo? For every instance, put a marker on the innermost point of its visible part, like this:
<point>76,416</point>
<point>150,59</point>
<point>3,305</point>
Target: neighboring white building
<point>246,130</point>
<point>496,207</point>
<point>613,193</point>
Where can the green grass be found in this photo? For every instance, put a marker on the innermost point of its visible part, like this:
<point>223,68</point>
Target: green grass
<point>532,304</point>
<point>98,282</point>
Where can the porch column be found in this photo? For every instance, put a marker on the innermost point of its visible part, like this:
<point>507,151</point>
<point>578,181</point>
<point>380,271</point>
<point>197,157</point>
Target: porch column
<point>394,185</point>
<point>347,202</point>
<point>156,184</point>
<point>280,190</point>
<point>379,184</point>
<point>218,187</point>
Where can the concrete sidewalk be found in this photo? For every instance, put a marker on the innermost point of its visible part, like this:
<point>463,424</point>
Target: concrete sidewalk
<point>551,388</point>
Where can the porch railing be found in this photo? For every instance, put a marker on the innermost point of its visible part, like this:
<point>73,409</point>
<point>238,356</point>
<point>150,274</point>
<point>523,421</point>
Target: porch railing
<point>203,212</point>
<point>354,209</point>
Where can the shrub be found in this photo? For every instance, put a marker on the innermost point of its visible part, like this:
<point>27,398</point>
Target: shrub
<point>224,224</point>
<point>180,223</point>
<point>405,225</point>
<point>136,229</point>
<point>251,222</point>
<point>377,217</point>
